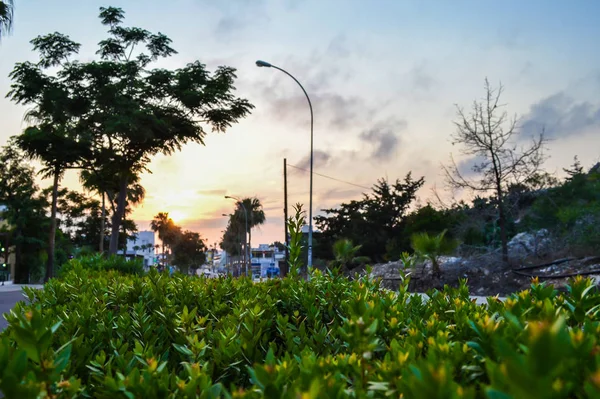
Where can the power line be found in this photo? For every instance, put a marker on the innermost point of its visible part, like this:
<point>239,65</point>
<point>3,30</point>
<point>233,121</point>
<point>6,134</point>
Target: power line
<point>331,178</point>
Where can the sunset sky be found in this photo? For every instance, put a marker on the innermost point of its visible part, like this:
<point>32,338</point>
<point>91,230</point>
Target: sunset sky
<point>383,77</point>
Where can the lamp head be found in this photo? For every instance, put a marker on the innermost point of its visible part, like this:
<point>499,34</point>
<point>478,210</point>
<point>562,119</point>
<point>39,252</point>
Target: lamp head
<point>260,63</point>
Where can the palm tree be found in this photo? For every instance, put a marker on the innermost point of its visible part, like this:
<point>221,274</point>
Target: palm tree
<point>6,16</point>
<point>432,247</point>
<point>166,229</point>
<point>105,184</point>
<point>344,252</point>
<point>256,216</point>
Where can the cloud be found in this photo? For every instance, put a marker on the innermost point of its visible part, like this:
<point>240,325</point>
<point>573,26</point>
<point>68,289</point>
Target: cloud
<point>560,116</point>
<point>320,159</point>
<point>237,16</point>
<point>421,80</point>
<point>383,137</point>
<point>345,194</point>
<point>212,193</point>
<point>466,167</point>
<point>335,110</point>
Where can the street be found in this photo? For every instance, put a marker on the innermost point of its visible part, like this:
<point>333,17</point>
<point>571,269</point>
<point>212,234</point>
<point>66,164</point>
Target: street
<point>8,299</point>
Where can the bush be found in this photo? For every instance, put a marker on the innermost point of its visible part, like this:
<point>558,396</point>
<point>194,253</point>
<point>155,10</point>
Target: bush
<point>106,335</point>
<point>99,262</point>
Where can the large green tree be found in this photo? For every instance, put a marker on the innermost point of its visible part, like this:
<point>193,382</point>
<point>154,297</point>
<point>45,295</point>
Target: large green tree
<point>189,251</point>
<point>126,112</point>
<point>6,17</point>
<point>50,143</point>
<point>25,211</point>
<point>375,221</point>
<point>51,137</point>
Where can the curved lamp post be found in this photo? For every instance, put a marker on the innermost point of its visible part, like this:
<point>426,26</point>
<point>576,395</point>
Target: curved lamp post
<point>265,64</point>
<point>239,201</point>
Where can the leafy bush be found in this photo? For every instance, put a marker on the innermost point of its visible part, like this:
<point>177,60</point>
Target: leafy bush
<point>432,247</point>
<point>106,335</point>
<point>99,262</point>
<point>345,255</point>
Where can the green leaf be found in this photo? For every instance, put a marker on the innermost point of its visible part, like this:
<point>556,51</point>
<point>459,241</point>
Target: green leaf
<point>495,394</point>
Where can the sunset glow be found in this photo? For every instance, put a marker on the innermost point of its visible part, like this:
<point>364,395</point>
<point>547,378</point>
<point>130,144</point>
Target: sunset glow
<point>383,92</point>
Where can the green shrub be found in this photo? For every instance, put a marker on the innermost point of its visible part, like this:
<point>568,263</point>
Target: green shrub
<point>109,335</point>
<point>99,262</point>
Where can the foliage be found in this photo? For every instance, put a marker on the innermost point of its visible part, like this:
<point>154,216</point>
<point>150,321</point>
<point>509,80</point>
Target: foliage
<point>105,334</point>
<point>294,228</point>
<point>375,221</point>
<point>166,229</point>
<point>345,255</point>
<point>408,261</point>
<point>123,111</point>
<point>256,214</point>
<point>570,209</point>
<point>189,251</point>
<point>27,223</point>
<point>6,17</point>
<point>100,262</point>
<point>432,247</point>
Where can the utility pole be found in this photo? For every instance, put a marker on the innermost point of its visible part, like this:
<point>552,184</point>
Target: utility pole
<point>285,212</point>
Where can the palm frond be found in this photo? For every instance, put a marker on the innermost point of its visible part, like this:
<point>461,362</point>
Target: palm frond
<point>6,16</point>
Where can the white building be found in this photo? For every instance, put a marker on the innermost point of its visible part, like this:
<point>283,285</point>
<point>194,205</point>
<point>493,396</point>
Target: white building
<point>142,246</point>
<point>265,260</point>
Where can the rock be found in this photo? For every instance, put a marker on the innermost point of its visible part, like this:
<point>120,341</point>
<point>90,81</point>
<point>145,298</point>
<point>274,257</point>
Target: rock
<point>525,244</point>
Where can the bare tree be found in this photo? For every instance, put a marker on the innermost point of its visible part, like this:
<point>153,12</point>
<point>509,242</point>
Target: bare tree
<point>489,136</point>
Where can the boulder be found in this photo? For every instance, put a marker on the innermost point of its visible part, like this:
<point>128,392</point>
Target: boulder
<point>527,244</point>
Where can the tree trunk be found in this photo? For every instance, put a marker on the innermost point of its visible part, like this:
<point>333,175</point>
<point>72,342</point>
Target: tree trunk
<point>21,271</point>
<point>118,216</point>
<point>102,223</point>
<point>249,264</point>
<point>435,266</point>
<point>52,238</point>
<point>124,237</point>
<point>502,222</point>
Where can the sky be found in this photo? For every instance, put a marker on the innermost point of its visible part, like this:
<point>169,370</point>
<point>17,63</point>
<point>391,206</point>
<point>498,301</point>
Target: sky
<point>384,78</point>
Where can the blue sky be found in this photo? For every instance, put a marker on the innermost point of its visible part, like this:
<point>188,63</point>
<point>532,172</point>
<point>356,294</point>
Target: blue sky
<point>383,75</point>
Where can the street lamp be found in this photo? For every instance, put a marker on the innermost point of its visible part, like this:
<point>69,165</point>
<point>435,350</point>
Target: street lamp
<point>239,201</point>
<point>265,64</point>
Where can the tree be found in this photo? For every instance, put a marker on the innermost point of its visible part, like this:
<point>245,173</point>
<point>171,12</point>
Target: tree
<point>161,224</point>
<point>25,210</point>
<point>256,217</point>
<point>345,253</point>
<point>488,135</point>
<point>125,112</point>
<point>6,17</point>
<point>50,144</point>
<point>79,218</point>
<point>189,250</point>
<point>375,221</point>
<point>279,246</point>
<point>105,183</point>
<point>432,247</point>
<point>51,138</point>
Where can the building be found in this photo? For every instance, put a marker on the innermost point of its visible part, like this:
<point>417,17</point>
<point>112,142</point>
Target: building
<point>265,261</point>
<point>142,246</point>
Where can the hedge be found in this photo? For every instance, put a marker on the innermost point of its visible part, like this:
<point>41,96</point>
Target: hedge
<point>110,335</point>
<point>99,262</point>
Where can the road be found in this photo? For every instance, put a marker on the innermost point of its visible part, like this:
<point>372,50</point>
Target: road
<point>8,299</point>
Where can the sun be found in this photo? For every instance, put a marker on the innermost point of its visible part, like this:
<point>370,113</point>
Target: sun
<point>177,216</point>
